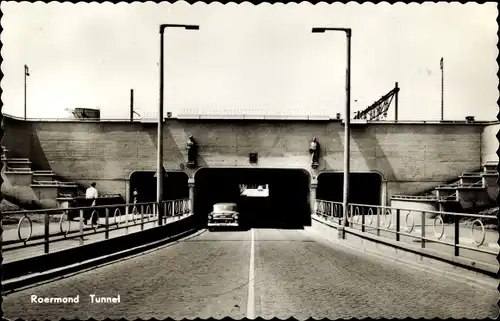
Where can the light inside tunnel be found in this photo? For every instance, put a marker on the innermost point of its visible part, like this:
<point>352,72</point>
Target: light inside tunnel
<point>268,198</point>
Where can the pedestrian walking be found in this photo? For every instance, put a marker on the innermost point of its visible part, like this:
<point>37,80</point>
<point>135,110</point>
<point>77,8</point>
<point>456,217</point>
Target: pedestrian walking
<point>136,195</point>
<point>91,195</point>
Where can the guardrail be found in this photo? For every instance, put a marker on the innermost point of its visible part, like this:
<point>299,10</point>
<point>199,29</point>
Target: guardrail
<point>459,184</point>
<point>330,210</point>
<point>411,197</point>
<point>426,227</point>
<point>116,217</point>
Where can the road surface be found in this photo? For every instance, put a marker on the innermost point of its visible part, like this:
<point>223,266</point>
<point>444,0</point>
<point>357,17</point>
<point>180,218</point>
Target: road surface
<point>256,273</point>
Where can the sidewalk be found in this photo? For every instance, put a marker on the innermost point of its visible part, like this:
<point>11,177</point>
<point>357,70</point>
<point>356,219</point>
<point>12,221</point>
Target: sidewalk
<point>35,250</point>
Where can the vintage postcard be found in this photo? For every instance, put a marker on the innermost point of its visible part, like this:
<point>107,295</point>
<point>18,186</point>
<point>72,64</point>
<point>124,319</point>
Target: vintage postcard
<point>240,160</point>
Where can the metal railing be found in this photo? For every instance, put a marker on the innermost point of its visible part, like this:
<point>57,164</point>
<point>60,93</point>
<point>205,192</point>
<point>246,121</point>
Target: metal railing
<point>459,184</point>
<point>452,197</point>
<point>422,226</point>
<point>116,217</point>
<point>329,210</point>
<point>415,197</point>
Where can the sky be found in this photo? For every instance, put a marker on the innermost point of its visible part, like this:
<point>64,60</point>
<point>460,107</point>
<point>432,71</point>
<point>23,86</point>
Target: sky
<point>249,59</point>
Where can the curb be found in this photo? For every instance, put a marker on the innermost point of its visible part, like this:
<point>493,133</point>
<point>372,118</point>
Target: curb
<point>26,280</point>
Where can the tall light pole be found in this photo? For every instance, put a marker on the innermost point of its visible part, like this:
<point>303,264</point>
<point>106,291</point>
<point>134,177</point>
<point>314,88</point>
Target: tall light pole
<point>159,164</point>
<point>441,63</point>
<point>26,74</point>
<point>347,140</point>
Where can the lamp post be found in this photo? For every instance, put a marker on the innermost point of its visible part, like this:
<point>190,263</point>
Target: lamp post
<point>347,116</point>
<point>26,74</point>
<point>159,164</point>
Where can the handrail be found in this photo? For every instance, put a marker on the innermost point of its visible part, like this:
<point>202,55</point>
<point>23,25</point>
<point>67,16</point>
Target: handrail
<point>458,184</point>
<point>135,214</point>
<point>53,211</point>
<point>401,222</point>
<point>449,197</point>
<point>427,211</point>
<point>417,197</point>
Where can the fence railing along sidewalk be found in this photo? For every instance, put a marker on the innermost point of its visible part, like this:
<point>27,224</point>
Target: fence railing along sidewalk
<point>59,225</point>
<point>445,232</point>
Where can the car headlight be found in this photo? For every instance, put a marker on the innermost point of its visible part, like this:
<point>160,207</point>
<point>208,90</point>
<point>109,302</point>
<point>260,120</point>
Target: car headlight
<point>210,217</point>
<point>235,216</point>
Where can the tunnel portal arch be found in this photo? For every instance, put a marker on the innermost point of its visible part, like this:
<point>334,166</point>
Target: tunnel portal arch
<point>175,185</point>
<point>364,187</point>
<point>286,206</point>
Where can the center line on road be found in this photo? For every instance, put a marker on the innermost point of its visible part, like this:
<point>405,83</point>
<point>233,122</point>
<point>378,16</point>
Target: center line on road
<point>251,281</point>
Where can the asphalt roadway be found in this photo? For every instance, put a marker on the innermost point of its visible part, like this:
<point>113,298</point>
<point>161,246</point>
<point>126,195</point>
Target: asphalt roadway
<point>255,273</point>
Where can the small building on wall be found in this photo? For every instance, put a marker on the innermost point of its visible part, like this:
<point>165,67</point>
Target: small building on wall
<point>88,113</point>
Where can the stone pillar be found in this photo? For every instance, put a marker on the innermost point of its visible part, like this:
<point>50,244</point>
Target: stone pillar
<point>312,194</point>
<point>127,194</point>
<point>191,195</point>
<point>383,193</point>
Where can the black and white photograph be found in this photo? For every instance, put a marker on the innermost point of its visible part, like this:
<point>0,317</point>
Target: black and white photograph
<point>237,160</point>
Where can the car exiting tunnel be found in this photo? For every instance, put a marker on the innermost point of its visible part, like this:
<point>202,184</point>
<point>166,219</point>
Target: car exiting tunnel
<point>286,206</point>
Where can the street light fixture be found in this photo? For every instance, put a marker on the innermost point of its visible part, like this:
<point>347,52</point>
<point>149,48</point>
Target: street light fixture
<point>159,165</point>
<point>347,141</point>
<point>26,74</point>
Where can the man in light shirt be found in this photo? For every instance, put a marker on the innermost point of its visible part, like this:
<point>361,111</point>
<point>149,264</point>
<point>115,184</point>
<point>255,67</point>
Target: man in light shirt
<point>91,194</point>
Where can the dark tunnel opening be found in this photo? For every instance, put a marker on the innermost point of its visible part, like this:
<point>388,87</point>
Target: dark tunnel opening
<point>286,206</point>
<point>364,188</point>
<point>175,186</point>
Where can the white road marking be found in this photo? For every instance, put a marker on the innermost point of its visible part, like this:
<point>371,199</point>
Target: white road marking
<point>251,281</point>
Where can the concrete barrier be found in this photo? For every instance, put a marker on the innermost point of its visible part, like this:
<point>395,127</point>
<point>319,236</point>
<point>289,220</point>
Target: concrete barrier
<point>55,260</point>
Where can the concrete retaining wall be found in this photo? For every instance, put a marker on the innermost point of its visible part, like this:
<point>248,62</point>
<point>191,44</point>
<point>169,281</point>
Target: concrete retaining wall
<point>411,157</point>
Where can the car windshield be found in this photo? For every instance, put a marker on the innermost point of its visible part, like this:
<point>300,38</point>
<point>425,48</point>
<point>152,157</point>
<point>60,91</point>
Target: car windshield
<point>224,207</point>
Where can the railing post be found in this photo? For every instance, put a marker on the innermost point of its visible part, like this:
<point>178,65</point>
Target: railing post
<point>165,211</point>
<point>378,220</point>
<point>362,219</point>
<point>456,223</point>
<point>47,232</point>
<point>160,213</point>
<point>191,186</point>
<point>423,229</point>
<point>81,227</point>
<point>312,193</point>
<point>398,223</point>
<point>106,233</point>
<point>142,217</point>
<point>126,217</point>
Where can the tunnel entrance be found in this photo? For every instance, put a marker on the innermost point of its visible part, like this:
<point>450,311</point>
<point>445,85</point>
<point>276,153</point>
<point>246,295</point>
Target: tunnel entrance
<point>175,186</point>
<point>364,188</point>
<point>282,202</point>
